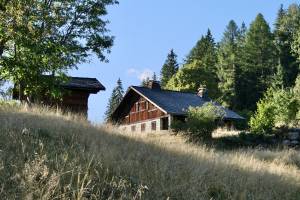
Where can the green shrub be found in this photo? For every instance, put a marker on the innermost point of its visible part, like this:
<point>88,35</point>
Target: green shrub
<point>201,121</point>
<point>263,120</point>
<point>178,126</point>
<point>278,107</point>
<point>243,124</point>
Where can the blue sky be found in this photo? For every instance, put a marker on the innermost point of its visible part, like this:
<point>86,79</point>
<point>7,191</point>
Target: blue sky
<point>146,30</point>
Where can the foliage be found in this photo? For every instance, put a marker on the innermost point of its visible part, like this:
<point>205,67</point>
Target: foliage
<point>1,87</point>
<point>263,121</point>
<point>243,124</point>
<point>38,37</point>
<point>191,76</point>
<point>5,90</point>
<point>296,91</point>
<point>114,100</point>
<point>200,69</point>
<point>169,68</point>
<point>227,62</point>
<point>278,107</point>
<point>286,26</point>
<point>201,121</point>
<point>178,126</point>
<point>145,82</point>
<point>154,78</point>
<point>257,61</point>
<point>204,50</point>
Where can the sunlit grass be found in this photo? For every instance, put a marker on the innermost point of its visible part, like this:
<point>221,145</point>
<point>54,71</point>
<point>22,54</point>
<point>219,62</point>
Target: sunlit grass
<point>47,155</point>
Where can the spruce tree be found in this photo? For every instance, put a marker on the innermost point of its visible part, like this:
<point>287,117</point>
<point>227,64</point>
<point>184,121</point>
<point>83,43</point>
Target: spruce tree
<point>286,26</point>
<point>205,50</point>
<point>257,64</point>
<point>199,69</point>
<point>169,68</point>
<point>145,82</point>
<point>227,62</point>
<point>114,100</point>
<point>154,78</point>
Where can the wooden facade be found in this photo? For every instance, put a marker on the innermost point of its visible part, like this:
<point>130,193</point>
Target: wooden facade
<point>142,110</point>
<point>76,102</point>
<point>151,108</point>
<point>75,92</point>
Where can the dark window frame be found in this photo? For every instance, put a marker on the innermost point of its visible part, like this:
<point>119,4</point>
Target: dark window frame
<point>153,125</point>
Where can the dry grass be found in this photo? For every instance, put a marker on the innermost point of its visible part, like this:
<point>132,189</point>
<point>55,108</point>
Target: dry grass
<point>44,155</point>
<point>223,132</point>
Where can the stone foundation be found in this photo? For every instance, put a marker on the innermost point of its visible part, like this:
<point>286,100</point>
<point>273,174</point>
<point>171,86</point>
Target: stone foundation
<point>147,126</point>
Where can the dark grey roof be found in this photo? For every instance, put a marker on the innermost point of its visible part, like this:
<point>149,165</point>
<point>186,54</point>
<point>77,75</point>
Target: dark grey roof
<point>90,84</point>
<point>177,103</point>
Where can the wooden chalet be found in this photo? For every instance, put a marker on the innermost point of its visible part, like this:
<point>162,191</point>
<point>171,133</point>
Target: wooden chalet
<point>76,92</point>
<point>152,108</point>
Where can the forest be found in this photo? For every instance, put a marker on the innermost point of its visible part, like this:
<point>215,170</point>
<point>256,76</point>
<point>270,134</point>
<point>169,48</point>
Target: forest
<point>253,70</point>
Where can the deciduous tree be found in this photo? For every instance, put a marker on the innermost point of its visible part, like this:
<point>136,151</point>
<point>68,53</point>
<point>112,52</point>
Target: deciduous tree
<point>199,69</point>
<point>50,37</point>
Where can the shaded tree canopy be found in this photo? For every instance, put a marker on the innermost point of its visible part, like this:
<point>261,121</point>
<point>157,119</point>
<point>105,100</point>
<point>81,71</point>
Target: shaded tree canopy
<point>257,63</point>
<point>286,26</point>
<point>227,63</point>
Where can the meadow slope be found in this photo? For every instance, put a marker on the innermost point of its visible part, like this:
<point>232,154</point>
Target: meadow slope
<point>46,155</point>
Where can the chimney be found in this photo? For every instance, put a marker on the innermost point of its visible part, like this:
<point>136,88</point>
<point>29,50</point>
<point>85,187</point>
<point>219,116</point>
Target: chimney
<point>202,91</point>
<point>154,85</point>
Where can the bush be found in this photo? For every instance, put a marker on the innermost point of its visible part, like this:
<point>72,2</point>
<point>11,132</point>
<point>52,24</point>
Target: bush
<point>278,107</point>
<point>178,126</point>
<point>243,124</point>
<point>263,120</point>
<point>201,121</point>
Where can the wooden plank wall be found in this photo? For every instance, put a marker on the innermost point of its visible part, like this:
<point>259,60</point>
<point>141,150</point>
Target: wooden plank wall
<point>142,110</point>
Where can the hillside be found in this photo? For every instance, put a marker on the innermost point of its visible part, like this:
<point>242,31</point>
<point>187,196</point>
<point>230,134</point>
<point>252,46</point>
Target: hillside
<point>46,155</point>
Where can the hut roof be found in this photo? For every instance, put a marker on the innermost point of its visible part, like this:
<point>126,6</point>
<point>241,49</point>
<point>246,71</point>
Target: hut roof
<point>80,83</point>
<point>174,102</point>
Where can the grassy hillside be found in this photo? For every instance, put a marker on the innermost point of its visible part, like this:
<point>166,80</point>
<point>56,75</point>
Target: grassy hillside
<point>44,155</point>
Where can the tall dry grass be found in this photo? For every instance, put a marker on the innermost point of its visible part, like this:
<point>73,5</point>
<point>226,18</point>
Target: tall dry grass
<point>45,155</point>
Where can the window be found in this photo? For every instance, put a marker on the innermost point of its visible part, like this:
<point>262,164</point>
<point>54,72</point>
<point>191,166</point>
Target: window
<point>153,126</point>
<point>143,127</point>
<point>137,107</point>
<point>132,128</point>
<point>147,105</point>
<point>164,123</point>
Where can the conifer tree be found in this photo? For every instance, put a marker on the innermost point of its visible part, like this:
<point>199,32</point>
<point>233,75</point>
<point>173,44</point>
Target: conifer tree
<point>199,69</point>
<point>154,78</point>
<point>114,100</point>
<point>169,68</point>
<point>145,81</point>
<point>205,50</point>
<point>227,63</point>
<point>257,64</point>
<point>286,26</point>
